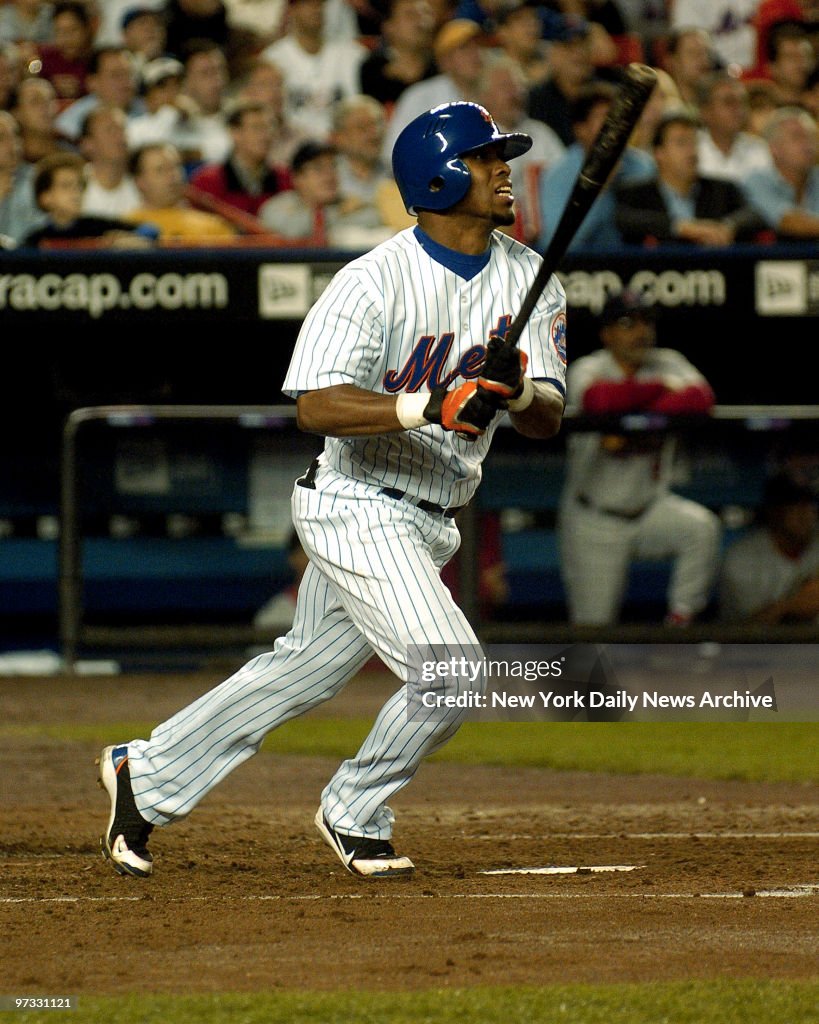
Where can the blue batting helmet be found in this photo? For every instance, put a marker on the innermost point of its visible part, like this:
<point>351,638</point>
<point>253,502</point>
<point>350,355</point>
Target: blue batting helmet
<point>426,156</point>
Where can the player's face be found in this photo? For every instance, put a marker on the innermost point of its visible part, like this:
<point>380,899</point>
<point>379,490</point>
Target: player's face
<point>490,195</point>
<point>629,339</point>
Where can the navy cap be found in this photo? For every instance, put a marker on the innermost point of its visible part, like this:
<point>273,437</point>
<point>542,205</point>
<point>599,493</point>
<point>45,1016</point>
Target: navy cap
<point>562,28</point>
<point>626,303</point>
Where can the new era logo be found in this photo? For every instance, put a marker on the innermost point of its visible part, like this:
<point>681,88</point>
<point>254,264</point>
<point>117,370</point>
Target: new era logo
<point>284,291</point>
<point>781,288</point>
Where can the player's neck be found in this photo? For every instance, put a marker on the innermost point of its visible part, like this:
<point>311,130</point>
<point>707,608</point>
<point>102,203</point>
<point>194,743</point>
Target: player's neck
<point>462,234</point>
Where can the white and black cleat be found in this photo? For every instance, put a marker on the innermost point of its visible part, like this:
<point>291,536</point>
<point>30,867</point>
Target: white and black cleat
<point>125,842</point>
<point>368,858</point>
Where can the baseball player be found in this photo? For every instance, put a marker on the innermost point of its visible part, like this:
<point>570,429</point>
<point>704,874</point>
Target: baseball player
<point>617,504</point>
<point>400,365</point>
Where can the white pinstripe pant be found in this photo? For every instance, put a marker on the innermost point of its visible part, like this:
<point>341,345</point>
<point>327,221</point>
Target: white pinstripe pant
<point>373,584</point>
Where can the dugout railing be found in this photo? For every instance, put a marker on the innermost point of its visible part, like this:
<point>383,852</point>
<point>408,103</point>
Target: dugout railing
<point>521,474</point>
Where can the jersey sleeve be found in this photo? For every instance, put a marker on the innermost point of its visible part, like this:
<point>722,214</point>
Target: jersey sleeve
<point>341,339</point>
<point>544,338</point>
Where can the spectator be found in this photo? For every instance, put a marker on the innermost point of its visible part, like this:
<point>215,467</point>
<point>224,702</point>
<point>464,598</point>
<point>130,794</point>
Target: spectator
<point>34,106</point>
<point>689,54</point>
<point>110,191</point>
<point>204,136</point>
<point>264,83</point>
<point>312,212</point>
<point>787,195</point>
<point>603,18</point>
<point>679,204</point>
<point>570,57</point>
<point>770,576</point>
<point>763,99</point>
<point>144,35</point>
<point>67,61</point>
<point>459,55</point>
<point>113,15</point>
<point>729,24</point>
<point>159,174</point>
<point>617,504</point>
<point>26,22</point>
<point>725,149</point>
<point>773,15</point>
<point>504,93</point>
<point>359,123</point>
<point>366,185</point>
<point>791,59</point>
<point>10,72</point>
<point>598,231</point>
<point>112,81</point>
<point>245,180</point>
<point>519,33</point>
<point>664,98</point>
<point>317,69</point>
<point>164,108</point>
<point>19,213</point>
<point>404,54</point>
<point>188,22</point>
<point>59,180</point>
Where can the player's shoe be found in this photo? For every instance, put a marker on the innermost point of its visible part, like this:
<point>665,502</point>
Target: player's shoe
<point>370,858</point>
<point>125,842</point>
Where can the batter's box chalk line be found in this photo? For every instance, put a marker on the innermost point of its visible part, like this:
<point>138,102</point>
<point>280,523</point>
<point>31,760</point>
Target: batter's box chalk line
<point>553,870</point>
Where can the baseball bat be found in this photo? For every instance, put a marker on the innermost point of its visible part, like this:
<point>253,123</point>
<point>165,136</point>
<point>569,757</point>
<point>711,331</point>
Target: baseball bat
<point>628,104</point>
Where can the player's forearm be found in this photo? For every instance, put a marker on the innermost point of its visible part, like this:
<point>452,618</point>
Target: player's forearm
<point>345,410</point>
<point>542,418</point>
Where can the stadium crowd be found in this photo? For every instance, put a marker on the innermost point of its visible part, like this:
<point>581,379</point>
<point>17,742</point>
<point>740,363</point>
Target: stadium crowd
<point>207,122</point>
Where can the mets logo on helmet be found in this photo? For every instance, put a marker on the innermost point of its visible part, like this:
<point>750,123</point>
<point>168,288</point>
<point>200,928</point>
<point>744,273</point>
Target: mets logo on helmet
<point>559,335</point>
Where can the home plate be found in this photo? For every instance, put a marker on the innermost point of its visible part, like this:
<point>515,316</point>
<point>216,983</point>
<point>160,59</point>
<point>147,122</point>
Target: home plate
<point>593,869</point>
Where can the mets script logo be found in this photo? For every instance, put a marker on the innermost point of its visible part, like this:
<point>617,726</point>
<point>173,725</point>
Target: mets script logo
<point>427,362</point>
<point>559,335</point>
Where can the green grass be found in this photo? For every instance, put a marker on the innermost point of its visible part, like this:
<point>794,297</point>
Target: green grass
<point>753,751</point>
<point>712,1002</point>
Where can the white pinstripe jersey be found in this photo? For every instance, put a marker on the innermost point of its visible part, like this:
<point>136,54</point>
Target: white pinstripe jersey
<point>397,319</point>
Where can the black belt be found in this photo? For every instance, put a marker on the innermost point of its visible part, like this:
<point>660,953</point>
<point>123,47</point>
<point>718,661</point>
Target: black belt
<point>422,503</point>
<point>586,502</point>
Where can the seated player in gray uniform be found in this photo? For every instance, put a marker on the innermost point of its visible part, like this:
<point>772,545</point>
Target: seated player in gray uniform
<point>617,504</point>
<point>771,574</point>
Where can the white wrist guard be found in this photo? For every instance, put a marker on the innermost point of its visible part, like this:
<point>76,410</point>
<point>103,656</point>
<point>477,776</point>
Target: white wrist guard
<point>525,398</point>
<point>409,408</point>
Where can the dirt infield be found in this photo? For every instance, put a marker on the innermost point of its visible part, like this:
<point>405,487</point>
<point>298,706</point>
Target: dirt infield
<point>246,897</point>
